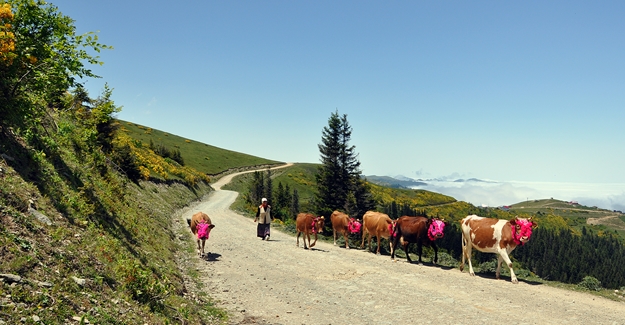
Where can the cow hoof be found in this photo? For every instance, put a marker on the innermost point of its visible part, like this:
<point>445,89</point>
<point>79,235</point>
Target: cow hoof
<point>515,281</point>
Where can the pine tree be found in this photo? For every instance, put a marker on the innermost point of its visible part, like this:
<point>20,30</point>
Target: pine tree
<point>269,187</point>
<point>295,204</point>
<point>339,173</point>
<point>258,188</point>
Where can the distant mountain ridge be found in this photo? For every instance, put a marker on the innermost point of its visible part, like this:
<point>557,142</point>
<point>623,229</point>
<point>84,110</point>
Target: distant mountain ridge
<point>401,181</point>
<point>394,182</point>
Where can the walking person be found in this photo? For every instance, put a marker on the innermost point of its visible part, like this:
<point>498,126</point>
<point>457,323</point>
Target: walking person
<point>263,217</point>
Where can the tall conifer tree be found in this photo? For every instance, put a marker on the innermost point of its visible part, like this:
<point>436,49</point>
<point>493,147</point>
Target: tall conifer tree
<point>340,172</point>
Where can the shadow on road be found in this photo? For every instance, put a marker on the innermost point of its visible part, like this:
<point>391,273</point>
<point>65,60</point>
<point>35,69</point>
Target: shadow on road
<point>211,257</point>
<point>491,275</point>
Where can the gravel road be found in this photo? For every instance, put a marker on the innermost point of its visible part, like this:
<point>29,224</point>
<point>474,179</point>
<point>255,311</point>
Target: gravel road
<point>275,282</point>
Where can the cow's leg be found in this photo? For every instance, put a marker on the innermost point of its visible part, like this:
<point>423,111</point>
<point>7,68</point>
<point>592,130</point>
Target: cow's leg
<point>464,244</point>
<point>405,246</point>
<point>313,244</point>
<point>297,243</point>
<point>393,245</point>
<point>435,253</point>
<point>466,252</point>
<point>199,249</point>
<point>498,271</point>
<point>306,235</point>
<point>334,235</point>
<point>203,244</point>
<point>362,245</point>
<point>378,250</point>
<point>346,236</point>
<point>420,251</point>
<point>504,255</point>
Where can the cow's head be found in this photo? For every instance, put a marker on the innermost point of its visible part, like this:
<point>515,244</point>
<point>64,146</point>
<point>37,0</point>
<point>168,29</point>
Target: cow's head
<point>354,226</point>
<point>436,229</point>
<point>318,224</point>
<point>522,229</point>
<point>204,229</point>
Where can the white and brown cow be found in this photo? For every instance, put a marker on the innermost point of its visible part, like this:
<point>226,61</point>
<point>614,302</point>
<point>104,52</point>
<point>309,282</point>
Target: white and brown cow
<point>308,223</point>
<point>494,236</point>
<point>376,224</point>
<point>201,226</point>
<point>343,224</point>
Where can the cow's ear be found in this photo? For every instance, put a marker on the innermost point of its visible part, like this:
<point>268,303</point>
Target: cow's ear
<point>531,220</point>
<point>211,226</point>
<point>322,218</point>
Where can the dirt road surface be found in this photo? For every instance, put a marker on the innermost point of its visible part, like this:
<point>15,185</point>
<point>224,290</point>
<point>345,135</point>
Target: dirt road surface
<point>275,282</point>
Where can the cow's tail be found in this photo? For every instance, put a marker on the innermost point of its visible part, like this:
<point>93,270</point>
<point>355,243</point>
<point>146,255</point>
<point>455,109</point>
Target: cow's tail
<point>364,231</point>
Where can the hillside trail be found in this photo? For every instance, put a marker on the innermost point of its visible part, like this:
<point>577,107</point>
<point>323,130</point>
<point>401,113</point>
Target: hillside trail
<point>275,282</point>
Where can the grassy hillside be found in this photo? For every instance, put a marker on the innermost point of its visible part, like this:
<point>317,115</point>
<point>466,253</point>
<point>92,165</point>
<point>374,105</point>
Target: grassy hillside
<point>574,215</point>
<point>83,242</point>
<point>200,156</point>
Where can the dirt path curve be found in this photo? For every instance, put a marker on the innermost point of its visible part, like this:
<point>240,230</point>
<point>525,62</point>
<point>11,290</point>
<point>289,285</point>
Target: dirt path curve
<point>275,282</point>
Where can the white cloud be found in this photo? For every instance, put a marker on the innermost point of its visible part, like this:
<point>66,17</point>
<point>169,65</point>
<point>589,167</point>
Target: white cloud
<point>607,196</point>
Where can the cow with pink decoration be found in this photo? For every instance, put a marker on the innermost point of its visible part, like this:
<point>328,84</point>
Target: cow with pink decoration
<point>343,224</point>
<point>308,223</point>
<point>494,236</point>
<point>417,229</point>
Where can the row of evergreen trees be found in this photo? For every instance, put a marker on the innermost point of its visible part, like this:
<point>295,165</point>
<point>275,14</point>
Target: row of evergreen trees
<point>563,256</point>
<point>286,203</point>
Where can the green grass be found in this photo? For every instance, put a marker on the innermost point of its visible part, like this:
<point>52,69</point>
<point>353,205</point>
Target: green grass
<point>200,156</point>
<point>574,215</point>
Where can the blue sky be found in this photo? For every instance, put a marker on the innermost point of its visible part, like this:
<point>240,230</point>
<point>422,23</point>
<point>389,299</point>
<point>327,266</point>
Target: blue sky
<point>500,90</point>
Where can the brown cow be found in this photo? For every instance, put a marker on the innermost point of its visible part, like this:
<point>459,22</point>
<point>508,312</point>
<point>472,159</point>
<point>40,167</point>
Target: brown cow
<point>376,224</point>
<point>307,223</point>
<point>201,226</point>
<point>343,224</point>
<point>494,236</point>
<point>420,230</point>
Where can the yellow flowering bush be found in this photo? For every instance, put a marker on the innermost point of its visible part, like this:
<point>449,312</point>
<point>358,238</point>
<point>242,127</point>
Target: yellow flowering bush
<point>7,38</point>
<point>150,163</point>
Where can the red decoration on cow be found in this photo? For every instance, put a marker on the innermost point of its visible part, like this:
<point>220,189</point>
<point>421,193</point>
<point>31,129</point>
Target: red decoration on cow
<point>201,226</point>
<point>308,223</point>
<point>417,229</point>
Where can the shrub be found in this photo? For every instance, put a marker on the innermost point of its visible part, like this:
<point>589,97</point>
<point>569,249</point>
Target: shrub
<point>590,283</point>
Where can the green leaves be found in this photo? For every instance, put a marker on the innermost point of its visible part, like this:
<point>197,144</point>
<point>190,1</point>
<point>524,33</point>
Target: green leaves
<point>47,60</point>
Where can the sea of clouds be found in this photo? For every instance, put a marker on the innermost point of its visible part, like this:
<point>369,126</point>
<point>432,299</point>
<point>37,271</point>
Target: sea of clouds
<point>495,193</point>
